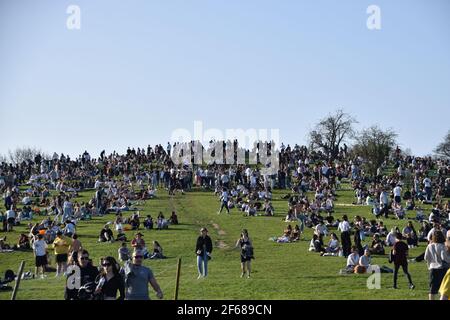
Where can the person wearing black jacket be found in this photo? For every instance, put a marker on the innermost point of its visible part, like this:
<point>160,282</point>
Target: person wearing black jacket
<point>87,272</point>
<point>111,281</point>
<point>203,250</point>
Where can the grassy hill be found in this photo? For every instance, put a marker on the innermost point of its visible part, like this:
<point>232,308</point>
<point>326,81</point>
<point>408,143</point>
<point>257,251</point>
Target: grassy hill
<point>280,271</point>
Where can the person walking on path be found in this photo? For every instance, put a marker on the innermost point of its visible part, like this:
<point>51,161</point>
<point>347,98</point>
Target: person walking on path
<point>203,250</point>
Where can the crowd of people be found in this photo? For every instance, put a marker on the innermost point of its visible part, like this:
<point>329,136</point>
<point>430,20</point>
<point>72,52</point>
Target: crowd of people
<point>49,188</point>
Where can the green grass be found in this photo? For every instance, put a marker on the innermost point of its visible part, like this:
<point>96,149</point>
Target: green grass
<point>280,271</point>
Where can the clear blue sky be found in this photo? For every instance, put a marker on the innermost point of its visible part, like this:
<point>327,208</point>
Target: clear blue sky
<point>138,69</point>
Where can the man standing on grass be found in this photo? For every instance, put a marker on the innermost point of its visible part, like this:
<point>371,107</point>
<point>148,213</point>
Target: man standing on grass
<point>87,274</point>
<point>137,277</point>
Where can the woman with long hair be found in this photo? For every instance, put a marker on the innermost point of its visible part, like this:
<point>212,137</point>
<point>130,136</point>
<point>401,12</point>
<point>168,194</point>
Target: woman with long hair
<point>437,259</point>
<point>246,246</point>
<point>110,280</point>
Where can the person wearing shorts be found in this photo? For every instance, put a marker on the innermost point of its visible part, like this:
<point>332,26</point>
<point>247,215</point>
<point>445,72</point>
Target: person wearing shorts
<point>10,219</point>
<point>245,244</point>
<point>61,246</point>
<point>62,258</point>
<point>437,259</point>
<point>40,253</point>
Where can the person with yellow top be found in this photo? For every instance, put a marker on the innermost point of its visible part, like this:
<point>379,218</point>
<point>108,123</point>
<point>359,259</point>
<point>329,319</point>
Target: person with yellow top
<point>61,245</point>
<point>444,289</point>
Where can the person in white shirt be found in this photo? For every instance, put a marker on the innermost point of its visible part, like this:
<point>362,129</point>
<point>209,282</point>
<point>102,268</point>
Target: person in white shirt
<point>365,260</point>
<point>437,258</point>
<point>391,237</point>
<point>40,253</point>
<point>353,259</point>
<point>11,219</point>
<point>398,194</point>
<point>97,184</point>
<point>427,187</point>
<point>26,200</point>
<point>224,201</point>
<point>344,228</point>
<point>225,180</point>
<point>436,227</point>
<point>321,230</point>
<point>333,246</point>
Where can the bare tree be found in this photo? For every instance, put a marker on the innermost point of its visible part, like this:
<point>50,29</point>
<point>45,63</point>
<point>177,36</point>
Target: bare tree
<point>2,158</point>
<point>443,149</point>
<point>331,132</point>
<point>374,146</point>
<point>26,153</point>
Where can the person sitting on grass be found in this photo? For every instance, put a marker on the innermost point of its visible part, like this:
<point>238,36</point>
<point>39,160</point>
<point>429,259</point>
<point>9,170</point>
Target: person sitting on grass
<point>295,234</point>
<point>138,242</point>
<point>364,262</point>
<point>173,218</point>
<point>69,228</point>
<point>420,215</point>
<point>286,237</point>
<point>390,238</point>
<point>151,193</point>
<point>381,229</point>
<point>134,221</point>
<point>411,235</point>
<point>423,231</point>
<point>399,211</point>
<point>157,251</point>
<point>330,222</point>
<point>290,216</point>
<point>123,252</point>
<point>377,246</point>
<point>148,222</point>
<point>161,222</point>
<point>320,229</point>
<point>333,247</point>
<point>24,242</point>
<point>121,236</point>
<point>3,245</point>
<point>316,245</point>
<point>268,208</point>
<point>352,260</point>
<point>250,210</point>
<point>106,234</point>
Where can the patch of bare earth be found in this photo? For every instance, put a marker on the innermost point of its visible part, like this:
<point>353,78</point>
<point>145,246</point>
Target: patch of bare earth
<point>220,243</point>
